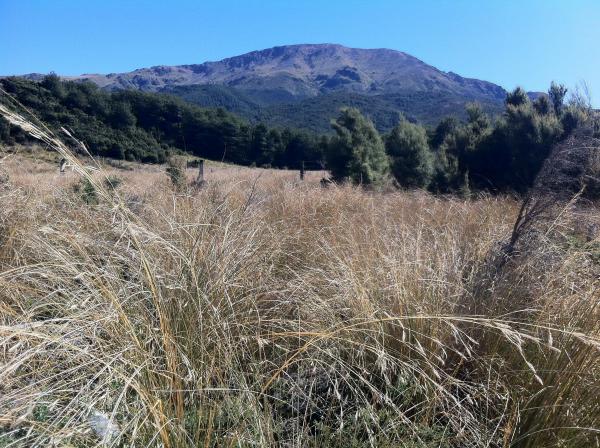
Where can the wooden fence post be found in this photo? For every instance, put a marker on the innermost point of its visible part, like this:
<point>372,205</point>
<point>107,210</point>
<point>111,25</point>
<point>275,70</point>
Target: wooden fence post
<point>200,179</point>
<point>302,171</point>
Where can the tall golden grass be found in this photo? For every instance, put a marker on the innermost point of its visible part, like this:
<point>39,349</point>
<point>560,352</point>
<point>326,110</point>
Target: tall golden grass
<point>264,311</point>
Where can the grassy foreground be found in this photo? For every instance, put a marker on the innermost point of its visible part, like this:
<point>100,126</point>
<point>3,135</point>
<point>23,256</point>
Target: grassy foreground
<point>261,311</point>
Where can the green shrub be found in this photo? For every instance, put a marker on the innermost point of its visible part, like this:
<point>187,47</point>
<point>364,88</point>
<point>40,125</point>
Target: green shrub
<point>87,191</point>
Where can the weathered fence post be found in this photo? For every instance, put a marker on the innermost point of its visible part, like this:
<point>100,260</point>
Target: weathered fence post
<point>302,171</point>
<point>200,179</point>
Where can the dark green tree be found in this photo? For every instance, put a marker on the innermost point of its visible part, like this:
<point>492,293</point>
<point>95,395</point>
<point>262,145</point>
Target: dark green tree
<point>478,121</point>
<point>543,106</point>
<point>53,83</point>
<point>557,94</point>
<point>76,99</point>
<point>121,115</point>
<point>410,157</point>
<point>258,148</point>
<point>530,137</point>
<point>300,146</point>
<point>517,97</point>
<point>461,150</point>
<point>274,149</point>
<point>444,128</point>
<point>356,152</point>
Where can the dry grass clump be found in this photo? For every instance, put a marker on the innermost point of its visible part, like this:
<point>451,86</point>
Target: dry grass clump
<point>262,311</point>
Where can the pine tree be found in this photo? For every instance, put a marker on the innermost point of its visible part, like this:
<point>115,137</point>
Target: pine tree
<point>517,97</point>
<point>557,93</point>
<point>357,152</point>
<point>411,159</point>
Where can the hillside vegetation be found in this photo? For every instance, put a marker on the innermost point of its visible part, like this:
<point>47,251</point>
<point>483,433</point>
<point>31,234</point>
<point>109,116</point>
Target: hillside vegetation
<point>314,113</point>
<point>147,127</point>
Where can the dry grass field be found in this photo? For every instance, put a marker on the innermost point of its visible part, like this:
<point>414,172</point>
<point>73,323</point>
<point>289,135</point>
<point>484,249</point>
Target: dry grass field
<point>259,310</point>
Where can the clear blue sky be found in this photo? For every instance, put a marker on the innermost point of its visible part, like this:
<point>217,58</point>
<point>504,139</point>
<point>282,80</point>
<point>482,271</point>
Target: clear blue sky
<point>509,42</point>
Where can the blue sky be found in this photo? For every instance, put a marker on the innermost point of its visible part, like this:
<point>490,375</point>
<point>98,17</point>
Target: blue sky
<point>509,42</point>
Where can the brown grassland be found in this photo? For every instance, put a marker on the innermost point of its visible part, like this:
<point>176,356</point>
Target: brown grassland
<point>259,310</point>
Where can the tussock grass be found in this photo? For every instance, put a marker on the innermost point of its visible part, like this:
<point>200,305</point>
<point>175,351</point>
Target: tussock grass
<point>261,311</point>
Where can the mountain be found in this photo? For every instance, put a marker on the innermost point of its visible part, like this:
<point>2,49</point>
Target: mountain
<point>301,71</point>
<point>288,84</point>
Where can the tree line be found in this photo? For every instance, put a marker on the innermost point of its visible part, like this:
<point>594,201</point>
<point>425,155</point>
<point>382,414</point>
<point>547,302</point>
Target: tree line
<point>504,154</point>
<point>481,153</point>
<point>149,127</point>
